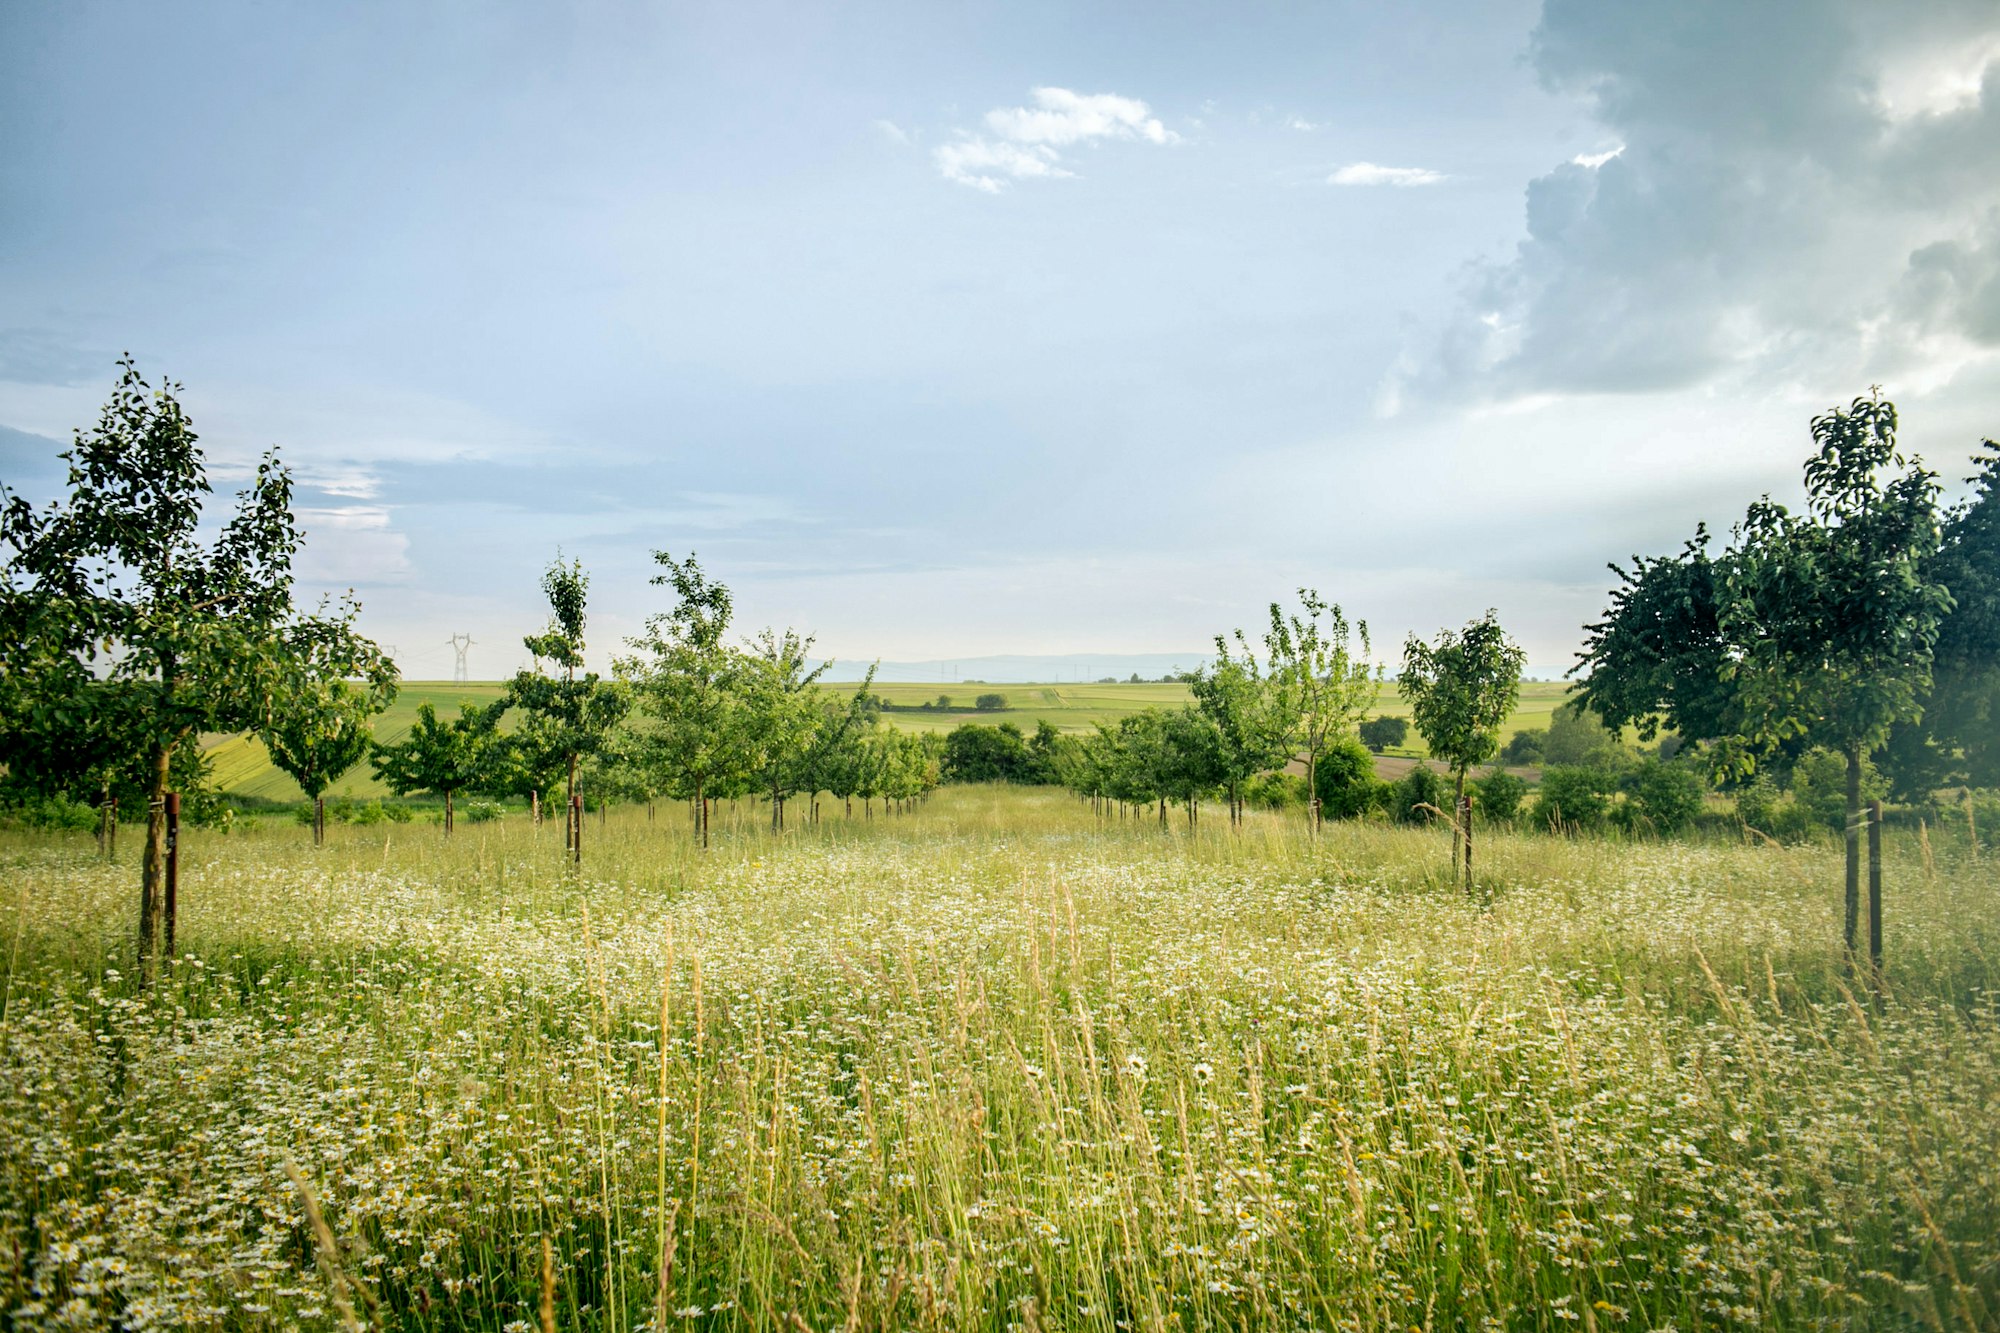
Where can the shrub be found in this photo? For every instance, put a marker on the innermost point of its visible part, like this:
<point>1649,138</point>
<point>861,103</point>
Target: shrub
<point>1661,798</point>
<point>990,703</point>
<point>1348,787</point>
<point>1500,795</point>
<point>398,813</point>
<point>1379,733</point>
<point>1422,785</point>
<point>1524,748</point>
<point>54,813</point>
<point>1577,739</point>
<point>1275,791</point>
<point>482,812</point>
<point>1819,787</point>
<point>1574,797</point>
<point>371,813</point>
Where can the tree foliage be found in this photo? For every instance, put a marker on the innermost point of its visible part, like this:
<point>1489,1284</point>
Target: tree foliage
<point>130,633</point>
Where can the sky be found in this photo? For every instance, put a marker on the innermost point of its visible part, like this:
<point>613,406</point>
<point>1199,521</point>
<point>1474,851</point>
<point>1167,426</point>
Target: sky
<point>946,330</point>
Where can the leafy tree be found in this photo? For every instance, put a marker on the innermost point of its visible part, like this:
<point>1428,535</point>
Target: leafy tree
<point>1382,733</point>
<point>324,730</point>
<point>1524,748</point>
<point>1957,741</point>
<point>1837,610</point>
<point>1250,717</point>
<point>990,703</point>
<point>129,633</point>
<point>569,717</point>
<point>1461,689</point>
<point>688,684</point>
<point>1661,656</point>
<point>1321,679</point>
<point>1191,754</point>
<point>441,757</point>
<point>974,753</point>
<point>781,715</point>
<point>1575,736</point>
<point>837,733</point>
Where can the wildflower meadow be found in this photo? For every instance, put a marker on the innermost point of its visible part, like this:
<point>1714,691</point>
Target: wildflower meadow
<point>1000,1063</point>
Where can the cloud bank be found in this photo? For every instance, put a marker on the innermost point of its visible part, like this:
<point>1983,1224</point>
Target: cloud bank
<point>1806,194</point>
<point>1367,173</point>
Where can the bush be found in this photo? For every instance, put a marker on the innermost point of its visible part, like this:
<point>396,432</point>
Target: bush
<point>1275,791</point>
<point>53,813</point>
<point>1347,784</point>
<point>990,703</point>
<point>397,812</point>
<point>973,753</point>
<point>1819,787</point>
<point>1379,733</point>
<point>369,814</point>
<point>1422,785</point>
<point>483,812</point>
<point>1574,797</point>
<point>1500,795</point>
<point>1661,798</point>
<point>1523,749</point>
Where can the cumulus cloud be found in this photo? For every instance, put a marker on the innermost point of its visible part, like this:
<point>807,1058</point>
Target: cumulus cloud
<point>1806,192</point>
<point>1367,173</point>
<point>1026,142</point>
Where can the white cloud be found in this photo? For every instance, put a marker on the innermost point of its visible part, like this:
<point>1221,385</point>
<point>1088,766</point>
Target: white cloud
<point>1367,173</point>
<point>891,131</point>
<point>1596,160</point>
<point>1300,123</point>
<point>1026,142</point>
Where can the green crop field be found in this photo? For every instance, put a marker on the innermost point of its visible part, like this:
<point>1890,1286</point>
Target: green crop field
<point>242,766</point>
<point>997,1064</point>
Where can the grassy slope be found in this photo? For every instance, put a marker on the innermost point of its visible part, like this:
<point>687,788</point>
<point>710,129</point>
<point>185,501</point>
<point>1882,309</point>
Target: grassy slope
<point>242,766</point>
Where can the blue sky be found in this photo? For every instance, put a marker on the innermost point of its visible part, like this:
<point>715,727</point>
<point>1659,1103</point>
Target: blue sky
<point>948,330</point>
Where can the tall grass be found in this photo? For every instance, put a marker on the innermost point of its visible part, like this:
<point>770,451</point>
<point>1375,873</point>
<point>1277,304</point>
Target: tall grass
<point>999,1063</point>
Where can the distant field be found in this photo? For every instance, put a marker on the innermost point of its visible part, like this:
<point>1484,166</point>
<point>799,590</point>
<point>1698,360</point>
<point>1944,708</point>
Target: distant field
<point>243,767</point>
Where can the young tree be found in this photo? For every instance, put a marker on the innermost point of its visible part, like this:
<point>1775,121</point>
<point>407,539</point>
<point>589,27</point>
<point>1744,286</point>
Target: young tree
<point>1460,690</point>
<point>1321,680</point>
<point>781,715</point>
<point>1836,611</point>
<point>569,717</point>
<point>125,627</point>
<point>442,757</point>
<point>1248,715</point>
<point>323,730</point>
<point>1380,733</point>
<point>688,685</point>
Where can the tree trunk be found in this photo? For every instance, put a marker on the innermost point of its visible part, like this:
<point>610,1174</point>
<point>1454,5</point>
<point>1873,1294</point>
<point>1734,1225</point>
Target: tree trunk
<point>1163,812</point>
<point>1312,791</point>
<point>1458,816</point>
<point>1852,904</point>
<point>319,820</point>
<point>701,813</point>
<point>569,800</point>
<point>447,812</point>
<point>154,868</point>
<point>848,801</point>
<point>1465,816</point>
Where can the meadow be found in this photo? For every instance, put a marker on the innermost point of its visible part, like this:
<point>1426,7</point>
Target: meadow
<point>999,1063</point>
<point>242,767</point>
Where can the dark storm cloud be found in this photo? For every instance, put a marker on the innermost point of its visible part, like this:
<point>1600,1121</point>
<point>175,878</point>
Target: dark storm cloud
<point>1808,189</point>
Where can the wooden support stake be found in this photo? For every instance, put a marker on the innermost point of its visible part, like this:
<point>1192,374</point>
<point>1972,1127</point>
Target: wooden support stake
<point>173,866</point>
<point>1875,884</point>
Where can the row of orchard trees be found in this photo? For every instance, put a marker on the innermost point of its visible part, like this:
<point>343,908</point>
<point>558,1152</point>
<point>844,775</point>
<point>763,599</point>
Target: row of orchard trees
<point>1301,700</point>
<point>689,714</point>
